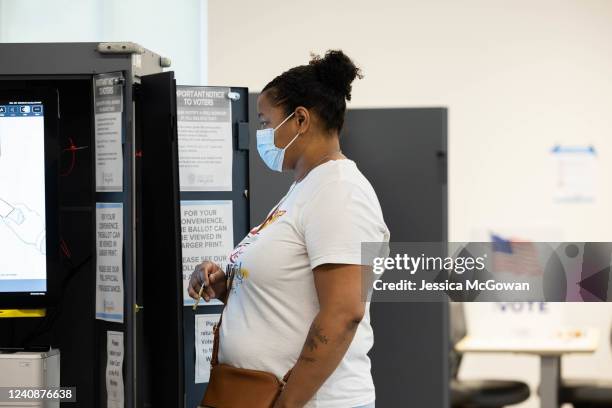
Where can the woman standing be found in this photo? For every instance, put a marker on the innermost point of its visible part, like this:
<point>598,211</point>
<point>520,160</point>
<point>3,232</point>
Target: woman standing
<point>296,300</point>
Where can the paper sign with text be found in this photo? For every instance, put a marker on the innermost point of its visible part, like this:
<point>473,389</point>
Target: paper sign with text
<point>204,324</point>
<point>204,118</point>
<point>109,267</point>
<point>108,101</point>
<point>114,369</point>
<point>207,233</point>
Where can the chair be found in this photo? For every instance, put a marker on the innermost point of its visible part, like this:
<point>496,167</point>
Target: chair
<point>477,393</point>
<point>587,393</point>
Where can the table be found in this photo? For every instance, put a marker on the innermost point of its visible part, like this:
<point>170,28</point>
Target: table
<point>549,347</point>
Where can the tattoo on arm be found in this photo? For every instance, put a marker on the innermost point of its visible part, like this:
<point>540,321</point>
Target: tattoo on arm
<point>315,336</point>
<point>307,359</point>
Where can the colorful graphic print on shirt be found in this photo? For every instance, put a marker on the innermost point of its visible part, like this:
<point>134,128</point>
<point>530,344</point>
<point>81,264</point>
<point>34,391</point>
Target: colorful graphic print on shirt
<point>243,273</point>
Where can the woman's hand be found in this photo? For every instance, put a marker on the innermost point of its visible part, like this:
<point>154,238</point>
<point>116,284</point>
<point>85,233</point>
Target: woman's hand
<point>211,276</point>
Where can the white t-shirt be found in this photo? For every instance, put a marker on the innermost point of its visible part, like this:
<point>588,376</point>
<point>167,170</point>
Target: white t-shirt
<point>322,219</point>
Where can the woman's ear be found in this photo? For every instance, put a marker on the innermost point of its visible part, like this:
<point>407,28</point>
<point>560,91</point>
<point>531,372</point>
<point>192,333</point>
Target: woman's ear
<point>303,119</point>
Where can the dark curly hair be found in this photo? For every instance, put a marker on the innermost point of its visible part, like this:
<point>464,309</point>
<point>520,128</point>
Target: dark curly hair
<point>324,85</point>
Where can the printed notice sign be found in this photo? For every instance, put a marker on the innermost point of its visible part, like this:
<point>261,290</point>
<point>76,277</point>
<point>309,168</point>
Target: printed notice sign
<point>108,108</point>
<point>207,233</point>
<point>109,268</point>
<point>576,179</point>
<point>114,369</point>
<point>204,324</point>
<point>205,138</point>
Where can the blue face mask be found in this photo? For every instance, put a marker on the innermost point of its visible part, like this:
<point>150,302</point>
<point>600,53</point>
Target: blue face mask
<point>271,155</point>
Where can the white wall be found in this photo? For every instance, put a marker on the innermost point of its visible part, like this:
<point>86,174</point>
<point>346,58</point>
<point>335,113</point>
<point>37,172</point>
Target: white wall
<point>49,21</point>
<point>172,29</point>
<point>176,30</point>
<point>517,76</point>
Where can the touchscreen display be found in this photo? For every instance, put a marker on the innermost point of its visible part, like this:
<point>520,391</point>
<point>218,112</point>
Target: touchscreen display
<point>22,197</point>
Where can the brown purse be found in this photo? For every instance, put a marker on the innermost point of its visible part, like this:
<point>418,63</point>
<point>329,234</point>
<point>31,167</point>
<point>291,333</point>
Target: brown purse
<point>232,387</point>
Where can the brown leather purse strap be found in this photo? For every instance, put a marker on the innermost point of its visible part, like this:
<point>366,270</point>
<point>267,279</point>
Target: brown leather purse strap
<point>215,351</point>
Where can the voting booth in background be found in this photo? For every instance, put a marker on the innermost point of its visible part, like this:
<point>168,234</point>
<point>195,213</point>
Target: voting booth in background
<point>117,307</point>
<point>403,152</point>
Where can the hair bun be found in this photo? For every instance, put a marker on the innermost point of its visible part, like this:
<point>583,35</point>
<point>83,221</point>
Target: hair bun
<point>336,71</point>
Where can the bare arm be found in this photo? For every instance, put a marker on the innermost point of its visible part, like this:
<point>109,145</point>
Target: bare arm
<point>331,332</point>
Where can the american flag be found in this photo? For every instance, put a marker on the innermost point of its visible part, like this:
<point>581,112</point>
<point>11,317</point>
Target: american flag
<point>515,256</point>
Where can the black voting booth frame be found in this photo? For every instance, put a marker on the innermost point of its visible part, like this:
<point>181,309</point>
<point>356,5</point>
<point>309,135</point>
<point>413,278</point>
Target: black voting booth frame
<point>153,337</point>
